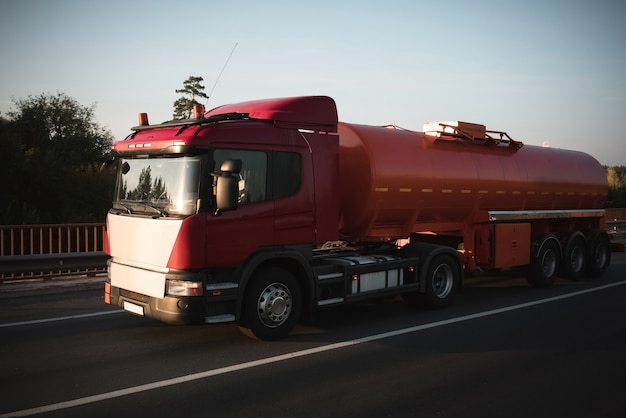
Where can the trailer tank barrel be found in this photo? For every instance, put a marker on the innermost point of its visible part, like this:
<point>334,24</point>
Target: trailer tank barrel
<point>394,182</point>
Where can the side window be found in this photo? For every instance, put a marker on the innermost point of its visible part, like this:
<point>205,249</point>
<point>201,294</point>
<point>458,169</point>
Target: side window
<point>287,174</point>
<point>253,176</point>
<point>254,184</point>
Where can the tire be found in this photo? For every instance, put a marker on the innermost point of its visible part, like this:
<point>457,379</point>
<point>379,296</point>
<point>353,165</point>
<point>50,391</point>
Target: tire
<point>574,259</point>
<point>544,263</point>
<point>272,305</point>
<point>442,280</point>
<point>599,255</point>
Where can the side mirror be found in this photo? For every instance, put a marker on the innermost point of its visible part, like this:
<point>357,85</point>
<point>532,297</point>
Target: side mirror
<point>108,163</point>
<point>227,190</point>
<point>231,165</point>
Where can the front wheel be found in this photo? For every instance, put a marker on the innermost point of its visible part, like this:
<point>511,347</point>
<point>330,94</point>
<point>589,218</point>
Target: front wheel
<point>272,305</point>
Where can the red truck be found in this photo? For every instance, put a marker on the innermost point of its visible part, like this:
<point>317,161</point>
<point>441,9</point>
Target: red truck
<point>262,212</point>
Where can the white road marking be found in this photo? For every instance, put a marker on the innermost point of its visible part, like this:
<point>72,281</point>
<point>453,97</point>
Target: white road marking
<point>288,356</point>
<point>59,318</point>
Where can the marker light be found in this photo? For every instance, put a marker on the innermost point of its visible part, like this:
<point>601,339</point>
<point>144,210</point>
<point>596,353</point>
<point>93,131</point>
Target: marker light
<point>198,111</point>
<point>143,119</point>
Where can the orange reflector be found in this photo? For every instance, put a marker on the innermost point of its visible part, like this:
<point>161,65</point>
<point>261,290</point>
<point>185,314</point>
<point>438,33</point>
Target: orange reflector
<point>107,293</point>
<point>143,119</point>
<point>216,293</point>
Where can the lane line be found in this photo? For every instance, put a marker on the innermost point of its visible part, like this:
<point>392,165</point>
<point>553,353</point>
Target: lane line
<point>59,318</point>
<point>288,356</point>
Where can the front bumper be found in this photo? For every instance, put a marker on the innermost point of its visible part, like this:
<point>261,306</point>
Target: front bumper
<point>173,310</point>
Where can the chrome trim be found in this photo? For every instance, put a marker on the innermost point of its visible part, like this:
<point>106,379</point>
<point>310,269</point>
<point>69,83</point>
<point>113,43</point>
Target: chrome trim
<point>520,215</point>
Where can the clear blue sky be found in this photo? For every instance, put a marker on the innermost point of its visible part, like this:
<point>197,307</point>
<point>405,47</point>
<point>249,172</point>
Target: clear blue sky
<point>548,70</point>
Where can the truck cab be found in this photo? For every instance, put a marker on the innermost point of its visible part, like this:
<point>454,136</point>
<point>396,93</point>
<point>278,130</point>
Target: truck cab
<point>173,234</point>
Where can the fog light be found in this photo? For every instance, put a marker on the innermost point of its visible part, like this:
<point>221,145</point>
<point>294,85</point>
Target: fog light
<point>183,288</point>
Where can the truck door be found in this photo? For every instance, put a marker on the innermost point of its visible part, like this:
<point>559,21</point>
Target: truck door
<point>233,235</point>
<point>294,221</point>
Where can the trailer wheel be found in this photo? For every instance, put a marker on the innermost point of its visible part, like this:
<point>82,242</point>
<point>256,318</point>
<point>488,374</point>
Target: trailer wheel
<point>272,305</point>
<point>544,263</point>
<point>599,255</point>
<point>442,281</point>
<point>574,259</point>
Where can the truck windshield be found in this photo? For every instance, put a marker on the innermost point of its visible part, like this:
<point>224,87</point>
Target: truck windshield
<point>163,186</point>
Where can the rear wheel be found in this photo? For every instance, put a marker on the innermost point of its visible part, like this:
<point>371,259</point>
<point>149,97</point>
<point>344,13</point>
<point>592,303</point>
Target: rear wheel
<point>599,255</point>
<point>272,305</point>
<point>544,263</point>
<point>574,259</point>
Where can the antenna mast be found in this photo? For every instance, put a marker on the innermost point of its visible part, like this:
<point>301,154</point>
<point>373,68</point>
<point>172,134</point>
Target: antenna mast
<point>220,74</point>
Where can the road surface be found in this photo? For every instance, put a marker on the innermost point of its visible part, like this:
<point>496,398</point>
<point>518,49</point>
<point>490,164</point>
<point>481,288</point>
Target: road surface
<point>503,350</point>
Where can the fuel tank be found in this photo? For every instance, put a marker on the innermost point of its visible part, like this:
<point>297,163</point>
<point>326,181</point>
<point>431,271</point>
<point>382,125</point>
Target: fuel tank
<point>394,182</point>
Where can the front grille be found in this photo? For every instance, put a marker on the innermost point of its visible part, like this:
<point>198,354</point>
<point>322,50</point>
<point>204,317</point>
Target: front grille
<point>134,296</point>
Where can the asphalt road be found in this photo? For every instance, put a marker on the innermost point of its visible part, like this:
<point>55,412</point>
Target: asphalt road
<point>503,350</point>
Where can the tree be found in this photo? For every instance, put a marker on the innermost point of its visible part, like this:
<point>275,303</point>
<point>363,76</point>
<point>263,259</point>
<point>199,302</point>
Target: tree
<point>183,106</point>
<point>53,148</point>
<point>616,177</point>
<point>147,189</point>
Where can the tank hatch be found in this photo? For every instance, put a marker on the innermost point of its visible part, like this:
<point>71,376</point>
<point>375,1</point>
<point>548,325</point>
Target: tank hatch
<point>468,132</point>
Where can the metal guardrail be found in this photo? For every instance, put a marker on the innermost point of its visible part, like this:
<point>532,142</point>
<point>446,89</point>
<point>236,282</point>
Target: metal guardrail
<point>616,229</point>
<point>66,263</point>
<point>51,238</point>
<point>47,251</point>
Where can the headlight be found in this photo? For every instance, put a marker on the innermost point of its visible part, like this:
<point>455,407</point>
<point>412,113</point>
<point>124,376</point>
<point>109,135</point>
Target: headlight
<point>183,288</point>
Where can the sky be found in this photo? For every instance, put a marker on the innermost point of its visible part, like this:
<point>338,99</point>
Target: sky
<point>541,70</point>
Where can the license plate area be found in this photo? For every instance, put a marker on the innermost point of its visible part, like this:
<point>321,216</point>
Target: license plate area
<point>133,308</point>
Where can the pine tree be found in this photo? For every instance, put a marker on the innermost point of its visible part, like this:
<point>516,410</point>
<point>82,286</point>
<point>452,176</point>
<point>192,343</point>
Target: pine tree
<point>192,89</point>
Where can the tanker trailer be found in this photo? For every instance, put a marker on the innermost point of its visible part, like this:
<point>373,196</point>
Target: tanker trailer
<point>264,211</point>
<point>499,202</point>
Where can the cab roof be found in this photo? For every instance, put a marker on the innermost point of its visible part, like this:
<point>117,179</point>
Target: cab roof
<point>318,113</point>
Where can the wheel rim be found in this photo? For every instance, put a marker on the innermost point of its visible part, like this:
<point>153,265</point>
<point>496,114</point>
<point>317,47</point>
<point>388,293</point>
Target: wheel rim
<point>548,263</point>
<point>442,280</point>
<point>274,305</point>
<point>600,256</point>
<point>577,259</point>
